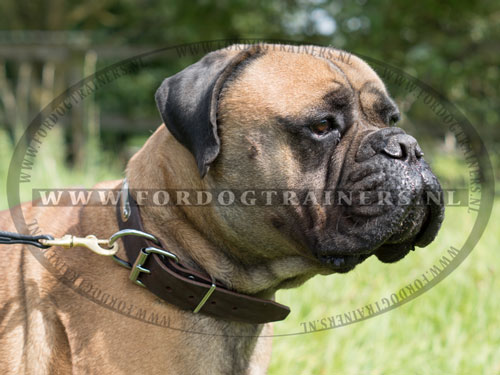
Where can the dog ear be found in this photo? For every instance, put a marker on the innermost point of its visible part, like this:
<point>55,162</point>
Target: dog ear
<point>188,102</point>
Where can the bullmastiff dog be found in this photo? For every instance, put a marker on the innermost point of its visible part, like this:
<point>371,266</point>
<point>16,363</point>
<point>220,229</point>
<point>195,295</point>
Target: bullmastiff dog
<point>245,118</point>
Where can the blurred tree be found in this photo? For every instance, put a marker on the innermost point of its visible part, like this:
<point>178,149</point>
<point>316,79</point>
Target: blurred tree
<point>451,45</point>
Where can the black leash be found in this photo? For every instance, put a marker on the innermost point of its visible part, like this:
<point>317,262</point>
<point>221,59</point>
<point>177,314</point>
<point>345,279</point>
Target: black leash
<point>9,238</point>
<point>106,247</point>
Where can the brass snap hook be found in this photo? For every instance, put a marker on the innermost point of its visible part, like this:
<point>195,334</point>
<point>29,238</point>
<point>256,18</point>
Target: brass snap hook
<point>91,242</point>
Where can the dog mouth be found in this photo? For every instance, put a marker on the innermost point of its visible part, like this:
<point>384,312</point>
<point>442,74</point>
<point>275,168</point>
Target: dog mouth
<point>391,253</point>
<point>389,236</point>
<point>394,250</point>
<point>342,263</point>
<point>418,228</point>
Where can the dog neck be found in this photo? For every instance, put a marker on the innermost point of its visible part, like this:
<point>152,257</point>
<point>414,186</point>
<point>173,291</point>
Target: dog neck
<point>169,164</point>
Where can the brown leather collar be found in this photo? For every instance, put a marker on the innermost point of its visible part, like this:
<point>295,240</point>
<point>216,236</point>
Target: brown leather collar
<point>184,287</point>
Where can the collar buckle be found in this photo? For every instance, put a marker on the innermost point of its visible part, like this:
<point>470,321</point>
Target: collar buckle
<point>138,268</point>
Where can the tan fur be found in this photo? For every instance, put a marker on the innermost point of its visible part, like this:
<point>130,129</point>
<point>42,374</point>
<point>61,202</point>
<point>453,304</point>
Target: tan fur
<point>47,327</point>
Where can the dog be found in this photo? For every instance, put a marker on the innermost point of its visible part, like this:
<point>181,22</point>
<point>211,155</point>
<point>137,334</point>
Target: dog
<point>258,118</point>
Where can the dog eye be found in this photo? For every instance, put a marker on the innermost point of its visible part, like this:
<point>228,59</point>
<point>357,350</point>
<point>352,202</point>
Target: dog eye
<point>321,127</point>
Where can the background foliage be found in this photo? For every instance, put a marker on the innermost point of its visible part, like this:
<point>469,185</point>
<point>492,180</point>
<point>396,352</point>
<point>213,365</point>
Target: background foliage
<point>451,45</point>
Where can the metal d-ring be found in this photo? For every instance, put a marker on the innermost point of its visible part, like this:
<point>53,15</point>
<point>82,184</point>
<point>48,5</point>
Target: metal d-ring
<point>132,232</point>
<point>129,232</point>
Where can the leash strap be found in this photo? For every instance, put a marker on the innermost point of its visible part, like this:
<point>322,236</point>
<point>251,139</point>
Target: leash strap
<point>159,271</point>
<point>9,238</point>
<point>91,242</point>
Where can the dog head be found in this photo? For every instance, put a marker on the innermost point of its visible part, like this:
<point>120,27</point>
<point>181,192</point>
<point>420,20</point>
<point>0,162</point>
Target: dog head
<point>277,120</point>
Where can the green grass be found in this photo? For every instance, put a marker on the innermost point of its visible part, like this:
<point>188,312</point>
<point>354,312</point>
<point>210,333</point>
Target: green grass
<point>452,329</point>
<point>50,170</point>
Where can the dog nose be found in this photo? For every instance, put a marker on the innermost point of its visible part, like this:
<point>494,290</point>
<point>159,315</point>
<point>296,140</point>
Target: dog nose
<point>392,142</point>
<point>403,146</point>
